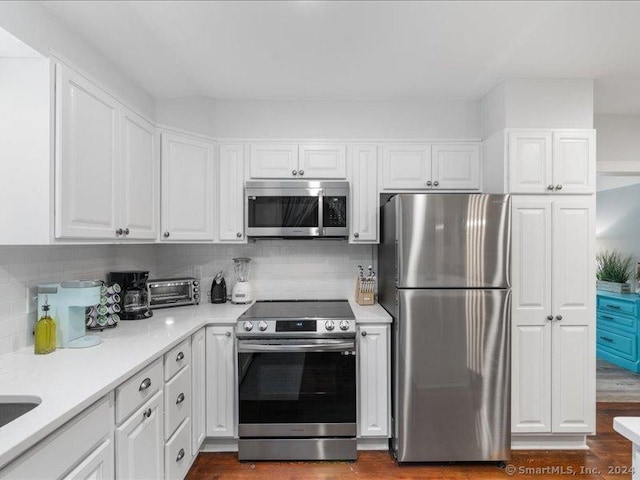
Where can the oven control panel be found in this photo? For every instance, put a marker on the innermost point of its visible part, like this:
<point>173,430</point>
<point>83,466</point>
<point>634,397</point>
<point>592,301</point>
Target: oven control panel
<point>295,328</point>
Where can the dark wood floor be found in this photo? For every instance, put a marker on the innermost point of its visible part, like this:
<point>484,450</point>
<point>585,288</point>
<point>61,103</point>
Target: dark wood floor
<point>609,458</point>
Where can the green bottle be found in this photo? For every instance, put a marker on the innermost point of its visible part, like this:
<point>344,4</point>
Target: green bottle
<point>45,332</point>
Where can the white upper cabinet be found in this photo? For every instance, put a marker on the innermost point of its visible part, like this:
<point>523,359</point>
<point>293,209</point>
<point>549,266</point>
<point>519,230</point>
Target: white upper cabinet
<point>322,161</point>
<point>187,188</point>
<point>87,131</point>
<point>231,193</point>
<point>107,165</point>
<point>551,161</point>
<point>291,161</point>
<point>271,160</point>
<point>456,167</point>
<point>364,194</point>
<point>140,179</point>
<point>406,167</point>
<point>427,167</point>
<point>574,156</point>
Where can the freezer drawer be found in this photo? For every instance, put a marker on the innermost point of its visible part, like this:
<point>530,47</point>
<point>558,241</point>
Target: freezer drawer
<point>452,388</point>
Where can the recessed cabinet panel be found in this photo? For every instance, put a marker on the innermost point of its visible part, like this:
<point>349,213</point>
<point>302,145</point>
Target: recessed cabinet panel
<point>187,188</point>
<point>323,161</point>
<point>530,161</point>
<point>406,167</point>
<point>274,161</point>
<point>373,360</point>
<point>231,193</point>
<point>456,167</point>
<point>86,158</point>
<point>221,382</point>
<point>364,194</point>
<point>574,161</point>
<point>198,385</point>
<point>140,177</point>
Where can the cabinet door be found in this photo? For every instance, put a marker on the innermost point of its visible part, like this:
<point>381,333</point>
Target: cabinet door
<point>274,160</point>
<point>574,294</point>
<point>364,194</point>
<point>221,419</point>
<point>456,167</point>
<point>97,466</point>
<point>187,188</point>
<point>530,161</point>
<point>86,158</point>
<point>406,167</point>
<point>373,364</point>
<point>531,333</point>
<point>231,193</point>
<point>323,161</point>
<point>574,158</point>
<point>140,179</point>
<point>140,442</point>
<point>198,396</point>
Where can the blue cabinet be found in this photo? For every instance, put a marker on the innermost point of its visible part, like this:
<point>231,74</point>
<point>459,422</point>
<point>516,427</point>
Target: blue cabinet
<point>618,320</point>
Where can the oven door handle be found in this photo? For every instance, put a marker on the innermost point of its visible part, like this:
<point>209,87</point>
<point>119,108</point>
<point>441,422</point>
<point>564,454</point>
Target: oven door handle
<point>244,347</point>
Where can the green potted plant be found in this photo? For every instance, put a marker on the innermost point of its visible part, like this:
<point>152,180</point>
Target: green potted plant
<point>613,272</point>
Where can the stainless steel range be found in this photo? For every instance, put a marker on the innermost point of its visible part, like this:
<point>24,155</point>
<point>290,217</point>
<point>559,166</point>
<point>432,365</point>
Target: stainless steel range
<point>297,381</point>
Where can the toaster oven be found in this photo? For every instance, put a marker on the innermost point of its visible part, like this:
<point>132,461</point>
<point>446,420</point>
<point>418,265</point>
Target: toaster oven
<point>173,292</point>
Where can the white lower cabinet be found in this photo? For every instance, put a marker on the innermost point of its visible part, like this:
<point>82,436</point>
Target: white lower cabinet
<point>140,442</point>
<point>221,382</point>
<point>177,452</point>
<point>198,395</point>
<point>553,349</point>
<point>82,448</point>
<point>374,380</point>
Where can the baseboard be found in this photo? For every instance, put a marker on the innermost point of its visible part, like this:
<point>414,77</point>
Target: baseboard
<point>548,442</point>
<point>373,443</point>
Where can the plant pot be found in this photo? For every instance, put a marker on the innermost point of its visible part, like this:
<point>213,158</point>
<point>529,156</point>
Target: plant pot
<point>613,287</point>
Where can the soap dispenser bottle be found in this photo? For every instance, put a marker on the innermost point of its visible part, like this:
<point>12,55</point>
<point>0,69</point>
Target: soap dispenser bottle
<point>45,332</point>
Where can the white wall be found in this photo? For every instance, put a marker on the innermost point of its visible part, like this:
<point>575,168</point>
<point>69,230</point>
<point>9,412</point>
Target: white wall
<point>35,26</point>
<point>371,119</point>
<point>618,147</point>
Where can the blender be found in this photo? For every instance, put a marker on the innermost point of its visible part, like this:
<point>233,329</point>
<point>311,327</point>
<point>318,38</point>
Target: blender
<point>242,289</point>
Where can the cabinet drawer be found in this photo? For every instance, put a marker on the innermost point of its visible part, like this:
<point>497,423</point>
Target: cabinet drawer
<point>138,389</point>
<point>176,359</point>
<point>613,321</point>
<point>177,401</point>
<point>176,453</point>
<point>615,305</point>
<point>620,344</point>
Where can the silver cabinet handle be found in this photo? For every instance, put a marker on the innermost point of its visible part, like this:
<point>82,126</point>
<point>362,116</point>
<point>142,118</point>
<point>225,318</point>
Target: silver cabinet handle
<point>607,339</point>
<point>227,334</point>
<point>301,172</point>
<point>180,356</point>
<point>239,234</point>
<point>165,234</point>
<point>119,231</point>
<point>127,231</point>
<point>294,172</point>
<point>146,383</point>
<point>549,317</point>
<point>550,187</point>
<point>180,455</point>
<point>558,317</point>
<point>617,307</point>
<point>436,183</point>
<point>180,398</point>
<point>558,187</point>
<point>429,183</point>
<point>356,235</point>
<point>363,333</point>
<point>607,317</point>
<point>147,413</point>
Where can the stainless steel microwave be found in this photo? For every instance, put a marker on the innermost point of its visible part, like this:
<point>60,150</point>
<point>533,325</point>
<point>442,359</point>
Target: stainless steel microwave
<point>303,209</point>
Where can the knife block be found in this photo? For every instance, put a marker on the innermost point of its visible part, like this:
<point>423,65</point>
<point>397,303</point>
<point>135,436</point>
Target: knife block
<point>364,298</point>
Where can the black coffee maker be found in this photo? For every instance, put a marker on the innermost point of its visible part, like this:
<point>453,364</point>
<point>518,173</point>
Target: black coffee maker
<point>134,297</point>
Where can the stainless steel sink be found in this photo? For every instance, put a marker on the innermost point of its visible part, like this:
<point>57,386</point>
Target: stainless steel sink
<point>14,406</point>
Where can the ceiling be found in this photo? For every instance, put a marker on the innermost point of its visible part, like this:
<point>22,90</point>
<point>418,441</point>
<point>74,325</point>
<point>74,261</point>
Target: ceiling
<point>358,49</point>
<point>11,47</point>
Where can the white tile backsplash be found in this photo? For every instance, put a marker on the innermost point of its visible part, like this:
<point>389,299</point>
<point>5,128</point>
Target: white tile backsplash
<point>281,269</point>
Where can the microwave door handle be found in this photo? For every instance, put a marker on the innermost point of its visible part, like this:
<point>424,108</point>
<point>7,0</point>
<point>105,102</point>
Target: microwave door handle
<point>321,212</point>
<point>333,347</point>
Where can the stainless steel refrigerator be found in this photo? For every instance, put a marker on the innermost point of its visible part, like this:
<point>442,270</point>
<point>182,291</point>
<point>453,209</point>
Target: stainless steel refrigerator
<point>444,270</point>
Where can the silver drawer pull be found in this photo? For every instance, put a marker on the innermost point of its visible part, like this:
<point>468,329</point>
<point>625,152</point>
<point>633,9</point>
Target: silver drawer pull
<point>617,307</point>
<point>180,399</point>
<point>607,339</point>
<point>180,356</point>
<point>606,317</point>
<point>146,383</point>
<point>147,413</point>
<point>180,455</point>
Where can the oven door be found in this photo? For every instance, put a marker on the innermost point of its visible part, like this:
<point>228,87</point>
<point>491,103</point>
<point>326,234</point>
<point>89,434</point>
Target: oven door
<point>297,388</point>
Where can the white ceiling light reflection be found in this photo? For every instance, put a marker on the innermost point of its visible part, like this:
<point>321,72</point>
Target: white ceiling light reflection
<point>169,321</point>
